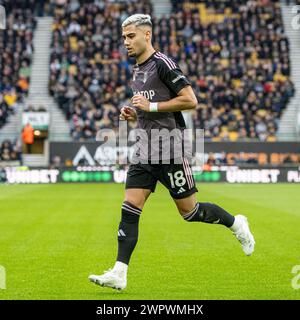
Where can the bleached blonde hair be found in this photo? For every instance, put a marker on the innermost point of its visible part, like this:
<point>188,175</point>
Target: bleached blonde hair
<point>138,20</point>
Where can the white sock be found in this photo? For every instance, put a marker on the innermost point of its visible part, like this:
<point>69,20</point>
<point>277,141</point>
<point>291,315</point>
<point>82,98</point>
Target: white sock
<point>236,225</point>
<point>121,268</point>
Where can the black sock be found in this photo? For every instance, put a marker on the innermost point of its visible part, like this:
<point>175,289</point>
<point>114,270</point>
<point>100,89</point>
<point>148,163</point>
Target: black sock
<point>209,213</point>
<point>128,231</point>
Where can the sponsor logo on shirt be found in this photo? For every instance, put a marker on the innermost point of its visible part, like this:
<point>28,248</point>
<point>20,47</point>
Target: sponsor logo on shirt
<point>148,94</point>
<point>178,78</point>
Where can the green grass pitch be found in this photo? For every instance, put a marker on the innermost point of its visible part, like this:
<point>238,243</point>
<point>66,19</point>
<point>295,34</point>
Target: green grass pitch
<point>53,236</point>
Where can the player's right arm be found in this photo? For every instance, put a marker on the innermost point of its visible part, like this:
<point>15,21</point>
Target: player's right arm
<point>128,113</point>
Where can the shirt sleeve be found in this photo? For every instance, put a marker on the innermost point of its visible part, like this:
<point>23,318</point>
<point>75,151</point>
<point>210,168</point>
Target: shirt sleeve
<point>171,75</point>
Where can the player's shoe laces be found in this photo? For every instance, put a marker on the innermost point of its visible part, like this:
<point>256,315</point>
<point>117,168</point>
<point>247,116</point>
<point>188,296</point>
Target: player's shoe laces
<point>110,278</point>
<point>244,235</point>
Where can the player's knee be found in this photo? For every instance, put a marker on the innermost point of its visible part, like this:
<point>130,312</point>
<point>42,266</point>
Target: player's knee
<point>138,202</point>
<point>130,213</point>
<point>196,214</point>
<point>187,214</point>
<point>185,210</point>
<point>186,205</point>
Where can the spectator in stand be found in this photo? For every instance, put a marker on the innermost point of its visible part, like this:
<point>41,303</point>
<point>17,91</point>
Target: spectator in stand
<point>4,110</point>
<point>28,137</point>
<point>10,151</point>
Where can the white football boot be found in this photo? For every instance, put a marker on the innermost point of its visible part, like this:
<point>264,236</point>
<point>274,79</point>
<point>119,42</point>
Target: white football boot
<point>243,234</point>
<point>110,279</point>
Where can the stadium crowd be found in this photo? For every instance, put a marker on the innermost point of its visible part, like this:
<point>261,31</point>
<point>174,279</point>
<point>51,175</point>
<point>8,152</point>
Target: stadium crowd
<point>90,72</point>
<point>238,65</point>
<point>235,54</point>
<point>16,49</point>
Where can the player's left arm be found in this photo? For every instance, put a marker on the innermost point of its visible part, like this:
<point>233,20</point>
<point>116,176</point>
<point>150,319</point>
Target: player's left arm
<point>177,82</point>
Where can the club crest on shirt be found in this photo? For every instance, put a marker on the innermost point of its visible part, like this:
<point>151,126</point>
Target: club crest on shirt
<point>142,76</point>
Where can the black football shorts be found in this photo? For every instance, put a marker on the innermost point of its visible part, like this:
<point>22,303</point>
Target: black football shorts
<point>178,178</point>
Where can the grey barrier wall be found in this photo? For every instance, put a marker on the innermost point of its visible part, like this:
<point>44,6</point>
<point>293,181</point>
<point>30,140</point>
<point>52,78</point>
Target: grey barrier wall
<point>91,153</point>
